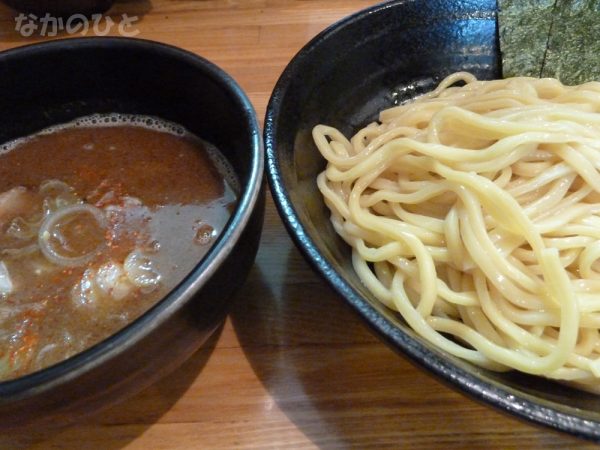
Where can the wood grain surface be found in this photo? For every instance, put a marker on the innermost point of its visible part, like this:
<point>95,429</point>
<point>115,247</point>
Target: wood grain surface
<point>292,366</point>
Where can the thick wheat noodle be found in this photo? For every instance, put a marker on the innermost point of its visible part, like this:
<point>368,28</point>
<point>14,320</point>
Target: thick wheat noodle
<point>474,211</point>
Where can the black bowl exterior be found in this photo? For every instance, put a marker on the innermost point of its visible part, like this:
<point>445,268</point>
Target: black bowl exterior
<point>60,8</point>
<point>55,82</point>
<point>343,78</point>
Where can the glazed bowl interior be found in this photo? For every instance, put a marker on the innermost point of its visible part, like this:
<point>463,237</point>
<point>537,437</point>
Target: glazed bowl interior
<point>55,82</point>
<point>365,63</point>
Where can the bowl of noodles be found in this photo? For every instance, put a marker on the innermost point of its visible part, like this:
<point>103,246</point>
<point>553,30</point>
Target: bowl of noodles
<point>131,206</point>
<point>455,211</point>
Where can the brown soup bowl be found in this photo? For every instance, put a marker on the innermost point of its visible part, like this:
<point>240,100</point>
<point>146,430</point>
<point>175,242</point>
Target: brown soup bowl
<point>55,82</point>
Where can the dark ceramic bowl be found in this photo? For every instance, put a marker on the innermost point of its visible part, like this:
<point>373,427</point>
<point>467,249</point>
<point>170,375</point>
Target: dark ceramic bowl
<point>60,8</point>
<point>55,82</point>
<point>343,77</point>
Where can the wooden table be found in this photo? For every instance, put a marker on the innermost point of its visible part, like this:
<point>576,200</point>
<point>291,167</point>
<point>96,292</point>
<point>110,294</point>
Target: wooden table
<point>292,366</point>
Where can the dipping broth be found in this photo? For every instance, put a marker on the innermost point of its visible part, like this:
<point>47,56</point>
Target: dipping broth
<point>99,219</point>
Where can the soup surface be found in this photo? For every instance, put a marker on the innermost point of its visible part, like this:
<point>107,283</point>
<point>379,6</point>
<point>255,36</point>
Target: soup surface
<point>99,219</point>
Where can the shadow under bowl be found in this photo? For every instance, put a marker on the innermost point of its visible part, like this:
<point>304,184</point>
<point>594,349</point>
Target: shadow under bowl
<point>365,63</point>
<point>56,82</point>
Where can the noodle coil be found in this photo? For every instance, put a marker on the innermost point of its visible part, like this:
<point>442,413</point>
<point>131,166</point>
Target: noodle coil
<point>474,211</point>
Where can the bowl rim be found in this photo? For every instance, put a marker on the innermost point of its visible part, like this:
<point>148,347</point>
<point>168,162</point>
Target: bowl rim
<point>45,379</point>
<point>434,362</point>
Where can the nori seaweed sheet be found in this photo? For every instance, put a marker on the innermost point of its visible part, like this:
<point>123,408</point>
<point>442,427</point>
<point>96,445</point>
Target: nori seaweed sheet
<point>524,27</point>
<point>573,54</point>
<point>550,38</point>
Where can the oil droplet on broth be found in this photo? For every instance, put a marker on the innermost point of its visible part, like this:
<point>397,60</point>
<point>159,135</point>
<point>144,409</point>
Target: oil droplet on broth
<point>204,234</point>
